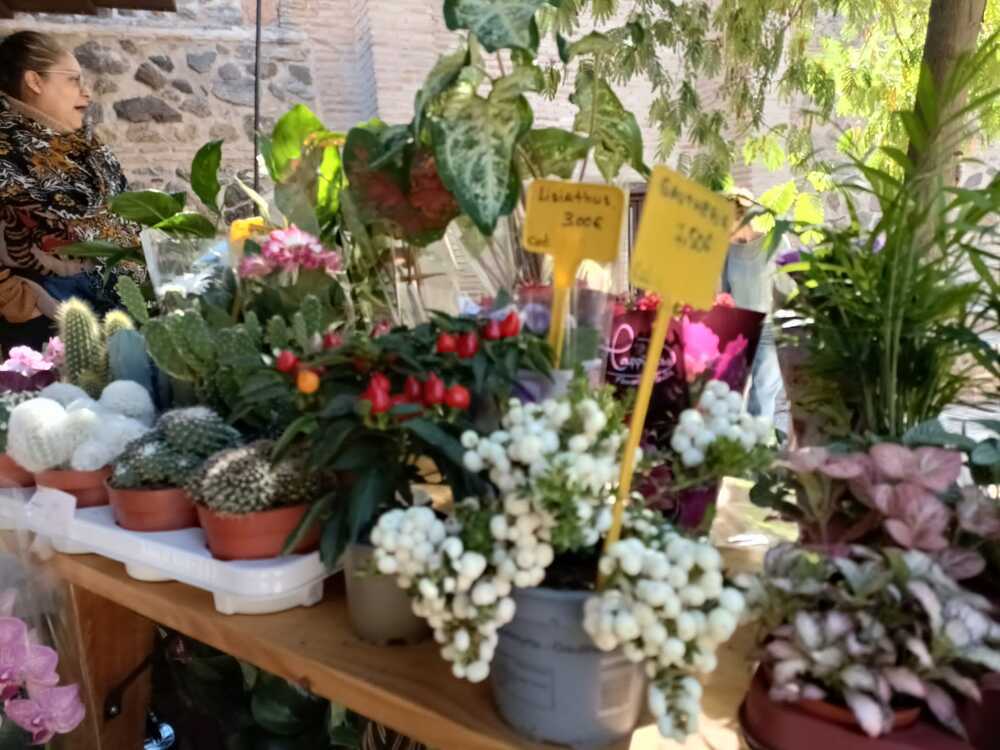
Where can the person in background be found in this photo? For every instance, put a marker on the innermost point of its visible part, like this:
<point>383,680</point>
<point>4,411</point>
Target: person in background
<point>750,276</point>
<point>56,181</point>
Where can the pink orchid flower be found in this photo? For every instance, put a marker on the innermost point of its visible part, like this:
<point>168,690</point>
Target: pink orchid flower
<point>254,267</point>
<point>14,654</point>
<point>701,348</point>
<point>47,711</point>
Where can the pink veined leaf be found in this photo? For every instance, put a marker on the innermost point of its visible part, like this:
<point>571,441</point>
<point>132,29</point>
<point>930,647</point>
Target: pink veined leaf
<point>942,705</point>
<point>979,514</point>
<point>849,466</point>
<point>926,518</point>
<point>804,460</point>
<point>893,461</point>
<point>905,681</point>
<point>928,600</point>
<point>900,532</point>
<point>961,564</point>
<point>881,496</point>
<point>868,712</point>
<point>962,684</point>
<point>937,469</point>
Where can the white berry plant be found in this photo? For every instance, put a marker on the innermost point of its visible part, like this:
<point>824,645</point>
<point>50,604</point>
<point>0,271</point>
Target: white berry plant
<point>555,466</point>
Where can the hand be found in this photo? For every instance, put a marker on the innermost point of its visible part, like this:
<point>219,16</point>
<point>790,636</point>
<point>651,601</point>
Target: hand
<point>58,266</point>
<point>46,304</point>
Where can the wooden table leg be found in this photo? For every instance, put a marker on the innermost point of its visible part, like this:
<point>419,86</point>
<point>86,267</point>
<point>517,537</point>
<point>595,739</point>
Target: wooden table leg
<point>111,642</point>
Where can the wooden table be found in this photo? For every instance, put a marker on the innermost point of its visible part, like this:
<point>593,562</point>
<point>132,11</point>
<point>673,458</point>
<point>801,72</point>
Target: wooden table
<point>408,688</point>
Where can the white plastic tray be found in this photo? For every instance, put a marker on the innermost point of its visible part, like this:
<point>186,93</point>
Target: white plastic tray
<point>238,586</point>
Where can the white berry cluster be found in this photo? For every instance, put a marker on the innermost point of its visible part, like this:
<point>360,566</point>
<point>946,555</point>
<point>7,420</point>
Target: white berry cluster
<point>555,465</point>
<point>665,604</point>
<point>463,600</point>
<point>719,414</point>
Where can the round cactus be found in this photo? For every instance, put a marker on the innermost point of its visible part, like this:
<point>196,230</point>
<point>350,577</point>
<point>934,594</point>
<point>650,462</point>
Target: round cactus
<point>129,399</point>
<point>36,437</point>
<point>197,430</point>
<point>116,321</point>
<point>149,462</point>
<point>63,393</point>
<point>7,403</point>
<point>243,480</point>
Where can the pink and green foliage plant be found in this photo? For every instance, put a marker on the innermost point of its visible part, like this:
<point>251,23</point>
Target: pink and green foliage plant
<point>891,494</point>
<point>29,684</point>
<point>872,629</point>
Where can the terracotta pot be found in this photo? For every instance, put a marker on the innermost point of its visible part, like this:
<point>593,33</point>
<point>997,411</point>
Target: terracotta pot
<point>380,611</point>
<point>153,510</point>
<point>12,474</point>
<point>769,725</point>
<point>254,536</point>
<point>842,715</point>
<point>88,487</point>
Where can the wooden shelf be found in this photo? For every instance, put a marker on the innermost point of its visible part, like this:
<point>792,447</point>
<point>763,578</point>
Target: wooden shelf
<point>408,688</point>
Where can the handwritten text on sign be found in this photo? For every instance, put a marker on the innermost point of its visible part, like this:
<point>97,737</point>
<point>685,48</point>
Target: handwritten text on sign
<point>573,221</point>
<point>683,238</point>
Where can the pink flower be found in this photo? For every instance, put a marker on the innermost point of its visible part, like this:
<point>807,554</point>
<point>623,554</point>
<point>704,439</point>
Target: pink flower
<point>254,267</point>
<point>381,328</point>
<point>14,653</point>
<point>25,361</point>
<point>701,347</point>
<point>54,351</point>
<point>47,711</point>
<point>290,249</point>
<point>724,299</point>
<point>648,302</point>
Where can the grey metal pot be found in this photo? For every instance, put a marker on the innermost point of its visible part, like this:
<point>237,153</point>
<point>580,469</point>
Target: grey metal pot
<point>552,684</point>
<point>379,610</point>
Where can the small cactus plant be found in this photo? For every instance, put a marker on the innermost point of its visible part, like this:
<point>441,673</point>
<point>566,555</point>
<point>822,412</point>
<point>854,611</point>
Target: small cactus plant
<point>243,480</point>
<point>7,403</point>
<point>178,445</point>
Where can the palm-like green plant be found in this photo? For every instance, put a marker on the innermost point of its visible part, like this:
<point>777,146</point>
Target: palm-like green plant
<point>898,317</point>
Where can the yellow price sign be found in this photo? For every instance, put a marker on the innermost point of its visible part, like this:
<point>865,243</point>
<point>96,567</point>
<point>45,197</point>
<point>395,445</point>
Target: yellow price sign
<point>571,221</point>
<point>683,237</point>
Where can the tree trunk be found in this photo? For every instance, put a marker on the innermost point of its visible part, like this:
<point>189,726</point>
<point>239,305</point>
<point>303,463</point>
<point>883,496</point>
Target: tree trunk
<point>952,31</point>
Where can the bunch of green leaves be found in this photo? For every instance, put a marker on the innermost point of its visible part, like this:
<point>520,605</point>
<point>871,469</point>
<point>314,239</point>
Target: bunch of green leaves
<point>897,317</point>
<point>165,212</point>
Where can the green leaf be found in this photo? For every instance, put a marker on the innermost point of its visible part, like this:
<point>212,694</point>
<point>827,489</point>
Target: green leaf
<point>131,296</point>
<point>441,77</point>
<point>437,439</point>
<point>551,151</point>
<point>595,43</point>
<point>290,133</point>
<point>95,249</point>
<point>187,224</point>
<point>283,708</point>
<point>474,142</point>
<point>334,539</point>
<point>257,199</point>
<point>808,209</point>
<point>497,24</point>
<point>986,454</point>
<point>312,516</point>
<point>369,491</point>
<point>146,207</point>
<point>521,80</point>
<point>613,130</point>
<point>205,174</point>
<point>933,433</point>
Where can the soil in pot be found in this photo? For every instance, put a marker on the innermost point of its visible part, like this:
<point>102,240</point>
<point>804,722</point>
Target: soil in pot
<point>12,474</point>
<point>88,487</point>
<point>552,684</point>
<point>380,612</point>
<point>164,509</point>
<point>255,536</point>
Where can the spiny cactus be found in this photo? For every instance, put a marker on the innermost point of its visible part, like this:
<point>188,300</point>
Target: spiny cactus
<point>178,445</point>
<point>7,403</point>
<point>116,321</point>
<point>85,362</point>
<point>243,480</point>
<point>131,296</point>
<point>197,430</point>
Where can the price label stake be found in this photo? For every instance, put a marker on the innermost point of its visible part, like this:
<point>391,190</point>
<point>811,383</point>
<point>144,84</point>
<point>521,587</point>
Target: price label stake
<point>681,247</point>
<point>571,221</point>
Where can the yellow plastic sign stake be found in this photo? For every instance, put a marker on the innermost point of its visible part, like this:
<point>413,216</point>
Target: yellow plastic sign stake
<point>571,221</point>
<point>683,237</point>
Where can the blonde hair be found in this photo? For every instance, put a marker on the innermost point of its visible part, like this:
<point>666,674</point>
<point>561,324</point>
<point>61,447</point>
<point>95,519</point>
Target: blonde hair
<point>24,51</point>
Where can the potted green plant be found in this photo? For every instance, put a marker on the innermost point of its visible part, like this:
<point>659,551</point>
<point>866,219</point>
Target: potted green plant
<point>510,578</point>
<point>248,505</point>
<point>865,637</point>
<point>70,447</point>
<point>146,487</point>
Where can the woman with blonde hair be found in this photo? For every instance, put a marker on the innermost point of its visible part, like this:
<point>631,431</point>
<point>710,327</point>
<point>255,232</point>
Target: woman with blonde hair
<point>56,181</point>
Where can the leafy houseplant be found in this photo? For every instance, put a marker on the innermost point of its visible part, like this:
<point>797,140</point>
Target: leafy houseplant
<point>248,505</point>
<point>146,487</point>
<point>867,628</point>
<point>553,468</point>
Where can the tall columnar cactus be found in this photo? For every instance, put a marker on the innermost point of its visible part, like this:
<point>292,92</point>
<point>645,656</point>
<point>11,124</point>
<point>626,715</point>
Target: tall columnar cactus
<point>85,362</point>
<point>174,450</point>
<point>116,321</point>
<point>243,480</point>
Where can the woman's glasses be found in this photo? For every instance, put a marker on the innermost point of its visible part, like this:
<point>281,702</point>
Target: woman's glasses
<point>75,77</point>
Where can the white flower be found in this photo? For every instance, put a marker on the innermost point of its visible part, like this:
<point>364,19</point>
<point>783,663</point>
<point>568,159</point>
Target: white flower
<point>469,439</point>
<point>680,442</point>
<point>692,457</point>
<point>691,420</point>
<point>473,462</point>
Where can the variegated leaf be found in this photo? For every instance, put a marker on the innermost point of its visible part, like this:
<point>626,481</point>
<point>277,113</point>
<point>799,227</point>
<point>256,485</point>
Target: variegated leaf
<point>858,678</point>
<point>928,600</point>
<point>474,141</point>
<point>905,681</point>
<point>551,151</point>
<point>442,75</point>
<point>868,712</point>
<point>614,130</point>
<point>497,24</point>
<point>808,631</point>
<point>942,705</point>
<point>962,684</point>
<point>988,657</point>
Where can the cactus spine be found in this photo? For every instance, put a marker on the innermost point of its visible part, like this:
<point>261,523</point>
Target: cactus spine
<point>86,357</point>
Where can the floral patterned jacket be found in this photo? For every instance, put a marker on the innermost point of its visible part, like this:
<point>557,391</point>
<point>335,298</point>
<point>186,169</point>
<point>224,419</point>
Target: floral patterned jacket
<point>54,190</point>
